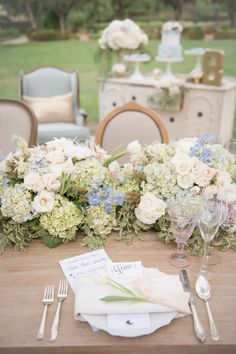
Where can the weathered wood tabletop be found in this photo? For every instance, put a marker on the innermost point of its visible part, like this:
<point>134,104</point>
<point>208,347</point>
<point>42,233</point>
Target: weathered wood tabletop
<point>23,276</point>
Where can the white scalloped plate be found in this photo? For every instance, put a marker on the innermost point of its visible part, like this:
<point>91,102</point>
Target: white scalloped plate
<point>158,320</point>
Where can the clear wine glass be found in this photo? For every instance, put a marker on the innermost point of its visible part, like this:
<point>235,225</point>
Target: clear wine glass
<point>183,222</point>
<point>213,256</point>
<point>209,222</point>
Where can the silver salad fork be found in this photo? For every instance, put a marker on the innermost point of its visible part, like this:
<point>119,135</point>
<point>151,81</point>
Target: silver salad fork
<point>62,294</point>
<point>47,300</point>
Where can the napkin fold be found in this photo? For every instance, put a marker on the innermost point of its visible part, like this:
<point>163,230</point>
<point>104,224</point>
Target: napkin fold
<point>164,291</point>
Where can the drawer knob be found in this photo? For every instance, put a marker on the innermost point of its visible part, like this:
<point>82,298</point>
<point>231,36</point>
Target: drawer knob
<point>114,104</point>
<point>199,114</point>
<point>133,98</point>
<point>172,119</point>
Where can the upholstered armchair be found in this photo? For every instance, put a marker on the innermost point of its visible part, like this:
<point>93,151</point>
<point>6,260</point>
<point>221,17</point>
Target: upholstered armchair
<point>53,94</point>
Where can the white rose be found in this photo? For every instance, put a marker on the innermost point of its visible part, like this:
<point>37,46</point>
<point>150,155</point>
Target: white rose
<point>150,208</point>
<point>184,145</point>
<point>56,156</point>
<point>183,166</point>
<point>185,181</point>
<point>68,166</point>
<point>33,181</point>
<point>61,143</point>
<point>145,216</point>
<point>51,183</point>
<point>222,178</point>
<point>56,169</point>
<point>210,191</point>
<point>203,174</point>
<point>44,202</point>
<point>134,147</point>
<point>229,193</point>
<point>78,152</point>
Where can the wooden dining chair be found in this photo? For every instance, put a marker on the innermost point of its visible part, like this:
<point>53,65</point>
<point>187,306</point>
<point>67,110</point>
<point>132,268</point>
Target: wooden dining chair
<point>127,123</point>
<point>16,118</point>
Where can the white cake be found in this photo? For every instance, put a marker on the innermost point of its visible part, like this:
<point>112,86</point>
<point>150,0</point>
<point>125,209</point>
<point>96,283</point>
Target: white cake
<point>170,47</point>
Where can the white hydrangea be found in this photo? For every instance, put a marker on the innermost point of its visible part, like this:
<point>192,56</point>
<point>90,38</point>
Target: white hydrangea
<point>16,203</point>
<point>122,34</point>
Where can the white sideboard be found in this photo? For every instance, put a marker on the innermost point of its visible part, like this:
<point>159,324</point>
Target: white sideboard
<point>206,109</point>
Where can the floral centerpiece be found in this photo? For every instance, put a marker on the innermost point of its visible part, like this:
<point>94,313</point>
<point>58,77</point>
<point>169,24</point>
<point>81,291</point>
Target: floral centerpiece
<point>54,190</point>
<point>121,36</point>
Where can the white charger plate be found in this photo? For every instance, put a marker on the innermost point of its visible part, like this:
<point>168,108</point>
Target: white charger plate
<point>158,320</point>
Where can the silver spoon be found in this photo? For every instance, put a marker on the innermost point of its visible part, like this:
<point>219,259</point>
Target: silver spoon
<point>203,290</point>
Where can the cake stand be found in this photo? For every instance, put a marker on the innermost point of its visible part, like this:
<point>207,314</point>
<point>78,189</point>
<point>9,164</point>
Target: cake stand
<point>169,76</point>
<point>137,59</point>
<point>197,71</point>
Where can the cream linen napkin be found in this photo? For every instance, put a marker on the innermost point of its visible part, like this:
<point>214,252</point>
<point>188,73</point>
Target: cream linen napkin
<point>165,292</point>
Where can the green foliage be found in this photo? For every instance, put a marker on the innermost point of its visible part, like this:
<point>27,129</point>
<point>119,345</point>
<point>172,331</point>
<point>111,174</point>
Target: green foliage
<point>65,183</point>
<point>18,234</point>
<point>165,100</point>
<point>50,20</point>
<point>127,222</point>
<point>47,35</point>
<point>6,34</point>
<point>93,242</point>
<point>50,241</point>
<point>78,19</point>
<point>194,32</point>
<point>227,33</point>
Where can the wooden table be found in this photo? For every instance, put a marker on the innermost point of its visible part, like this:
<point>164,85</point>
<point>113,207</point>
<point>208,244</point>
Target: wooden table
<point>24,275</point>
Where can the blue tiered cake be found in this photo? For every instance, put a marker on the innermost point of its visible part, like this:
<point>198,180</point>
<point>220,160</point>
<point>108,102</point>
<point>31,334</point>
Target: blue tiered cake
<point>170,48</point>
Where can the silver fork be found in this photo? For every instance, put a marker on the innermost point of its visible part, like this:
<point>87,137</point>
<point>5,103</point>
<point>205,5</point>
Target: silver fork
<point>48,298</point>
<point>62,294</point>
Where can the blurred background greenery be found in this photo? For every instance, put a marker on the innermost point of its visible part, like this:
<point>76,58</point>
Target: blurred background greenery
<point>65,32</point>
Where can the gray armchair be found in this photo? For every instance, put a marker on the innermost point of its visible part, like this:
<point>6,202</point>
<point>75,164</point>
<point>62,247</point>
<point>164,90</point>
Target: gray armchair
<point>46,82</point>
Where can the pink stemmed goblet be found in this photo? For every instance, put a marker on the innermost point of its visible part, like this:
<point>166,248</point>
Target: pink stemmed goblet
<point>183,222</point>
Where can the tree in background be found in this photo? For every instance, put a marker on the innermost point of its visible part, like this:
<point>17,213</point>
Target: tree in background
<point>120,7</point>
<point>231,11</point>
<point>177,6</point>
<point>31,9</point>
<point>62,8</point>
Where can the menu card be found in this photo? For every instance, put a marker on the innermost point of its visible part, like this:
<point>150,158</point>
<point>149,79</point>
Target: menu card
<point>83,264</point>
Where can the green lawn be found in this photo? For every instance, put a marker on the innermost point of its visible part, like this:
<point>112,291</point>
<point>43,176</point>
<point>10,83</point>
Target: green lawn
<point>81,56</point>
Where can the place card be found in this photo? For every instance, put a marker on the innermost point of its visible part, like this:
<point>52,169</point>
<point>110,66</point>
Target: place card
<point>125,270</point>
<point>83,264</point>
<point>129,321</point>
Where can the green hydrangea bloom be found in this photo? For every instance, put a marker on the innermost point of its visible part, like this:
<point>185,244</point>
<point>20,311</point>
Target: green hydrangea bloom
<point>98,222</point>
<point>89,174</point>
<point>63,220</point>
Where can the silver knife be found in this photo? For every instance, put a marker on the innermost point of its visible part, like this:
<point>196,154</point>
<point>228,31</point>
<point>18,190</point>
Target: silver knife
<point>198,327</point>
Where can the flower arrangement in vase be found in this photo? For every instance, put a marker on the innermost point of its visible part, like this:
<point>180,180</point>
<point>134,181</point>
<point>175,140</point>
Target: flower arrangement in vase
<point>121,37</point>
